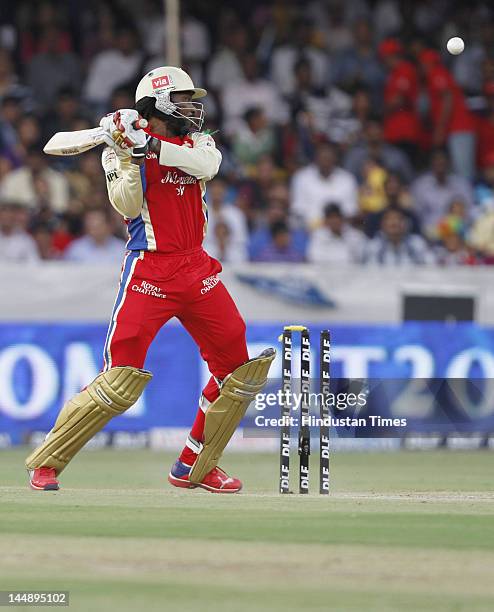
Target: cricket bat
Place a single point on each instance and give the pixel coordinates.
(74, 143)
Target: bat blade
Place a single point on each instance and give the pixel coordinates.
(74, 143)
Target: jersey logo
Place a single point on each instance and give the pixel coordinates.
(209, 283)
(180, 190)
(148, 289)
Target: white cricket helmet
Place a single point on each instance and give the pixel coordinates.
(161, 82)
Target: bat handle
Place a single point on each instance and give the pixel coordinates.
(140, 124)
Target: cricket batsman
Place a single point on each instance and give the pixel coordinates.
(156, 179)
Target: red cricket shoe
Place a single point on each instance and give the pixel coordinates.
(43, 479)
(217, 481)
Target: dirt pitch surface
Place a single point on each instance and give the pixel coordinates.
(409, 531)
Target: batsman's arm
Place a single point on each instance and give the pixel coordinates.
(123, 182)
(202, 160)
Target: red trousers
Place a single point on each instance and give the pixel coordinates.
(155, 287)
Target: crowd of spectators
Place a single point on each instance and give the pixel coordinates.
(348, 135)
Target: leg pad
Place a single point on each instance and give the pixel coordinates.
(110, 394)
(225, 413)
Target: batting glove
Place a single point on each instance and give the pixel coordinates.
(123, 132)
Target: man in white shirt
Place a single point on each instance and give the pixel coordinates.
(15, 244)
(113, 67)
(395, 245)
(285, 57)
(227, 216)
(434, 191)
(336, 242)
(36, 184)
(98, 245)
(321, 182)
(249, 92)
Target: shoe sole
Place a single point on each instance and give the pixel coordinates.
(48, 487)
(185, 484)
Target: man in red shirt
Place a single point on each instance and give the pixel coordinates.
(452, 123)
(401, 120)
(157, 182)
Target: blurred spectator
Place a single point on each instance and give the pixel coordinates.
(333, 26)
(10, 113)
(16, 245)
(336, 242)
(394, 245)
(358, 65)
(9, 83)
(485, 129)
(113, 67)
(277, 208)
(467, 67)
(121, 97)
(325, 112)
(396, 196)
(456, 221)
(225, 66)
(452, 122)
(29, 134)
(196, 43)
(373, 148)
(401, 122)
(98, 245)
(149, 21)
(484, 189)
(249, 91)
(388, 19)
(281, 247)
(51, 70)
(321, 182)
(235, 239)
(66, 109)
(254, 138)
(43, 236)
(36, 184)
(372, 197)
(433, 191)
(481, 236)
(299, 46)
(86, 179)
(253, 192)
(453, 251)
(361, 112)
(222, 246)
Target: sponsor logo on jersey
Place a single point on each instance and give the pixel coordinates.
(209, 283)
(178, 179)
(160, 82)
(148, 289)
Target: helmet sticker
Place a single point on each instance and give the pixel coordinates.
(162, 81)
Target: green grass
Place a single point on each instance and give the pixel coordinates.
(408, 531)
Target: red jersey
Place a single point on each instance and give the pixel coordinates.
(402, 124)
(440, 80)
(173, 217)
(485, 141)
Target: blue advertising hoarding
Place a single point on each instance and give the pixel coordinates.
(41, 365)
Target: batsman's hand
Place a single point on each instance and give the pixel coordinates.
(123, 131)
